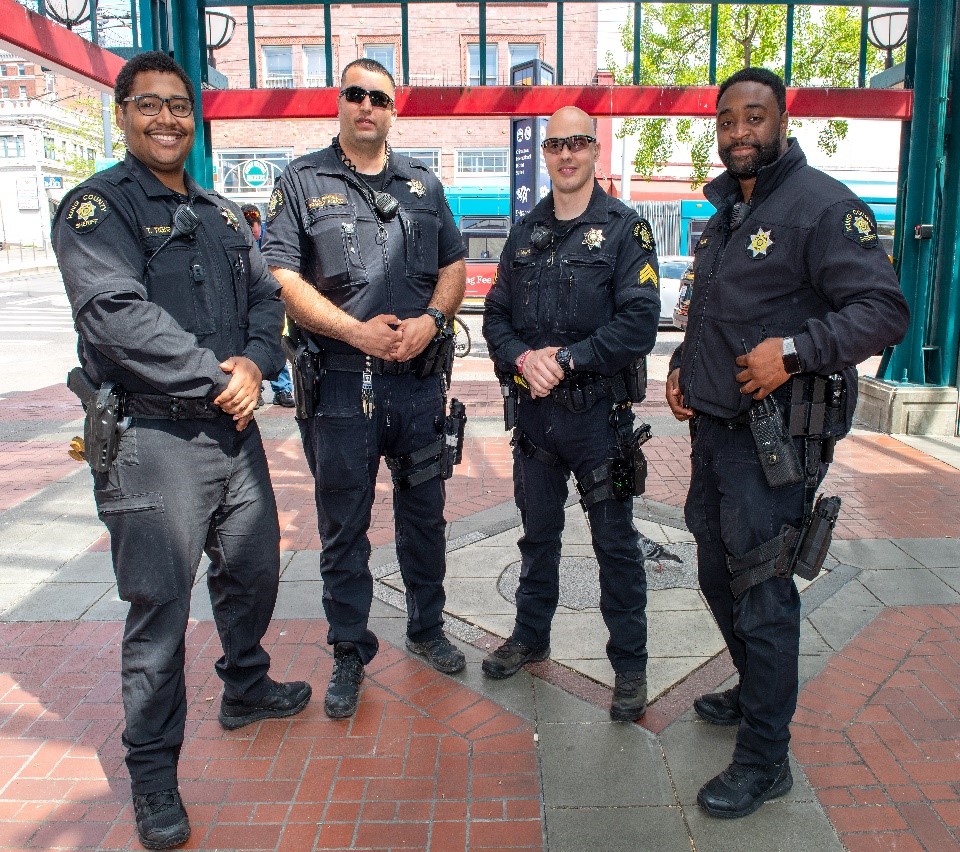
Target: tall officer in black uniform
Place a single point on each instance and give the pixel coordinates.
(171, 306)
(371, 267)
(574, 305)
(792, 289)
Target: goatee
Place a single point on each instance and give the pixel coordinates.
(763, 155)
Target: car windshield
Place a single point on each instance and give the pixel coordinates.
(673, 268)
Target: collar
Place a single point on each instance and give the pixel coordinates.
(725, 187)
(597, 209)
(154, 188)
(328, 162)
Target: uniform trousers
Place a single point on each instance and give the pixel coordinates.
(730, 510)
(343, 449)
(582, 441)
(178, 490)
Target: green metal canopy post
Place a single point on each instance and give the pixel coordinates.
(190, 53)
(921, 200)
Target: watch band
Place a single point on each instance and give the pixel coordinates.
(439, 317)
(791, 360)
(562, 357)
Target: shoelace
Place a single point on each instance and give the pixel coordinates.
(509, 647)
(346, 669)
(161, 801)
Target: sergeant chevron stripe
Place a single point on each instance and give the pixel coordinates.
(648, 276)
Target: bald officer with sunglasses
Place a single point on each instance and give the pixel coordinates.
(572, 314)
(177, 319)
(371, 268)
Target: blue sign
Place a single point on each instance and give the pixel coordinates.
(529, 181)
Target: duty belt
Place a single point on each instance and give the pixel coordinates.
(740, 422)
(357, 362)
(162, 407)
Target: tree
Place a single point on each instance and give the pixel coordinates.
(88, 108)
(675, 51)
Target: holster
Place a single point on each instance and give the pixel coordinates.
(635, 379)
(103, 406)
(443, 453)
(437, 357)
(306, 376)
(775, 448)
(454, 428)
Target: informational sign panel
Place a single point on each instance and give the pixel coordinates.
(28, 198)
(529, 181)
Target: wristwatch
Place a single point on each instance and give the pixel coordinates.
(791, 361)
(563, 358)
(438, 317)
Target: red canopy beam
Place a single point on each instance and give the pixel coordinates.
(27, 34)
(502, 101)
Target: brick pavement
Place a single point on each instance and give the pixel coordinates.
(876, 731)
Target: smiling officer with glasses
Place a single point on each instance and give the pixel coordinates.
(570, 318)
(371, 265)
(179, 318)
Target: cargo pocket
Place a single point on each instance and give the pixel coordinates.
(177, 282)
(336, 260)
(586, 293)
(140, 543)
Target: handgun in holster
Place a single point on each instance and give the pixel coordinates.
(454, 427)
(101, 425)
(805, 550)
(306, 375)
(775, 448)
(437, 357)
(628, 473)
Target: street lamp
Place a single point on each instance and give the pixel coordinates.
(887, 30)
(69, 12)
(219, 32)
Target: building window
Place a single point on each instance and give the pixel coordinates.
(49, 148)
(51, 82)
(249, 171)
(482, 161)
(315, 65)
(23, 91)
(22, 70)
(3, 70)
(473, 64)
(382, 53)
(523, 53)
(12, 146)
(430, 157)
(4, 91)
(278, 67)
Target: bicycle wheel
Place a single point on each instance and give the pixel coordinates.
(461, 338)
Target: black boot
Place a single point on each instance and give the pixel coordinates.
(740, 789)
(720, 708)
(343, 692)
(161, 819)
(510, 657)
(629, 697)
(279, 701)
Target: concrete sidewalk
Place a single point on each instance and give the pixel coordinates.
(448, 763)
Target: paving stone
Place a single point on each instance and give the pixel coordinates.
(903, 588)
(950, 576)
(109, 607)
(845, 614)
(12, 593)
(617, 829)
(91, 567)
(556, 705)
(781, 825)
(57, 602)
(297, 599)
(582, 763)
(932, 552)
(303, 565)
(876, 554)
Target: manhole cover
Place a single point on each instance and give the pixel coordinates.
(580, 575)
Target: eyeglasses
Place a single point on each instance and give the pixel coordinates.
(151, 104)
(554, 145)
(356, 94)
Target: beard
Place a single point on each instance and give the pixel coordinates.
(763, 155)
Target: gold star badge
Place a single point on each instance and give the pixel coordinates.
(760, 243)
(417, 188)
(230, 217)
(593, 239)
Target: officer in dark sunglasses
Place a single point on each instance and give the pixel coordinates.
(569, 321)
(371, 265)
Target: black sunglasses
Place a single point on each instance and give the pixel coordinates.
(554, 145)
(150, 104)
(356, 94)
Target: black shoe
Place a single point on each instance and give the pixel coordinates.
(629, 697)
(343, 693)
(509, 658)
(740, 789)
(281, 700)
(161, 819)
(442, 654)
(284, 398)
(720, 708)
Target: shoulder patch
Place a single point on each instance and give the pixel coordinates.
(332, 199)
(858, 227)
(275, 204)
(643, 234)
(87, 211)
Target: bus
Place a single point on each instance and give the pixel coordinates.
(484, 237)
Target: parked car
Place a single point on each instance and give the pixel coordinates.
(672, 267)
(683, 299)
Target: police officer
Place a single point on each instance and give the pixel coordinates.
(791, 290)
(173, 307)
(573, 311)
(371, 267)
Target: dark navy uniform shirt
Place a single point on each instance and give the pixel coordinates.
(322, 225)
(806, 263)
(154, 314)
(594, 289)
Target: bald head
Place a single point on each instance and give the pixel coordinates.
(570, 121)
